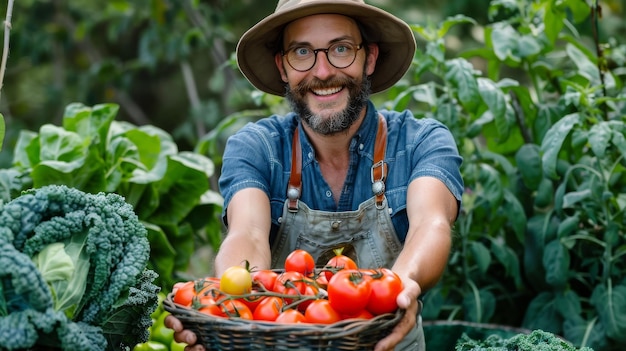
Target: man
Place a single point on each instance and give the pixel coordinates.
(383, 185)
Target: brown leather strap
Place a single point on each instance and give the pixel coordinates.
(379, 167)
(295, 178)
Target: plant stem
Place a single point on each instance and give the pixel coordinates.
(5, 49)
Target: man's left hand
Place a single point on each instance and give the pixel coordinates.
(407, 299)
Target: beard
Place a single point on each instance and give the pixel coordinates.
(338, 122)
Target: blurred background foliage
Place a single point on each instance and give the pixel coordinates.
(165, 62)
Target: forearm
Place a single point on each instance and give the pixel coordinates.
(431, 210)
(237, 248)
(249, 225)
(425, 254)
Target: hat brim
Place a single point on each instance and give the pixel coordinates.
(395, 39)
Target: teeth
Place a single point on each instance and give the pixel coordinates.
(328, 91)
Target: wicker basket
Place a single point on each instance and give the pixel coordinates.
(238, 334)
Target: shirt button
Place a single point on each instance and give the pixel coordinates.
(328, 193)
(361, 146)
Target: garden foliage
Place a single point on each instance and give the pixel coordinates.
(539, 114)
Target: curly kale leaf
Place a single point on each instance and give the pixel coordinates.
(537, 340)
(54, 240)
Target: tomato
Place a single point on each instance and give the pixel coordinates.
(184, 293)
(207, 305)
(268, 309)
(300, 261)
(236, 280)
(338, 262)
(290, 283)
(363, 314)
(386, 285)
(236, 308)
(265, 277)
(253, 300)
(320, 311)
(349, 291)
(310, 292)
(290, 316)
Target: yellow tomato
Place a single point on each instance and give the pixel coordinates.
(236, 280)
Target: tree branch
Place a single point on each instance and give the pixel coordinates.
(7, 35)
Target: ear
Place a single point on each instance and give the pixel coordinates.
(372, 56)
(278, 59)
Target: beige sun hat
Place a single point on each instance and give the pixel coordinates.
(257, 46)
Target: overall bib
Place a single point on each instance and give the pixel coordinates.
(366, 235)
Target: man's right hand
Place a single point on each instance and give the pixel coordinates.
(183, 335)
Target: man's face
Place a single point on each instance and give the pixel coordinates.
(327, 98)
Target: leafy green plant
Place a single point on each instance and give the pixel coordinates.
(541, 237)
(169, 189)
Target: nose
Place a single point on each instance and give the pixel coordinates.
(322, 68)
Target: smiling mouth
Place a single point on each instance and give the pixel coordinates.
(327, 91)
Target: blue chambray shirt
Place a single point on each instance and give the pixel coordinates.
(259, 156)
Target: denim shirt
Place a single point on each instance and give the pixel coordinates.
(259, 156)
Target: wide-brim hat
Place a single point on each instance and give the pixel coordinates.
(257, 46)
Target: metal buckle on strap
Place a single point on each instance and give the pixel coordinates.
(293, 195)
(378, 181)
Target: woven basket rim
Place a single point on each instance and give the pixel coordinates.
(189, 316)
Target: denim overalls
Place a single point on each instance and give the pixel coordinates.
(366, 235)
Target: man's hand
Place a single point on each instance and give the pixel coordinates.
(407, 299)
(183, 335)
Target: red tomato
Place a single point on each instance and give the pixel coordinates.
(253, 300)
(320, 311)
(290, 316)
(310, 293)
(349, 291)
(300, 261)
(265, 277)
(338, 262)
(184, 293)
(208, 306)
(290, 283)
(236, 309)
(363, 314)
(386, 285)
(268, 309)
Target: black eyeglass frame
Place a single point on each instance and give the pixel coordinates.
(325, 51)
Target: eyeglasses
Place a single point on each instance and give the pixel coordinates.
(340, 55)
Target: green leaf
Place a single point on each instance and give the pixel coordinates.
(583, 332)
(481, 256)
(508, 258)
(515, 213)
(489, 178)
(505, 40)
(450, 22)
(552, 21)
(610, 302)
(556, 260)
(586, 67)
(568, 226)
(528, 159)
(573, 197)
(543, 314)
(599, 138)
(58, 144)
(479, 305)
(553, 141)
(461, 73)
(26, 152)
(493, 97)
